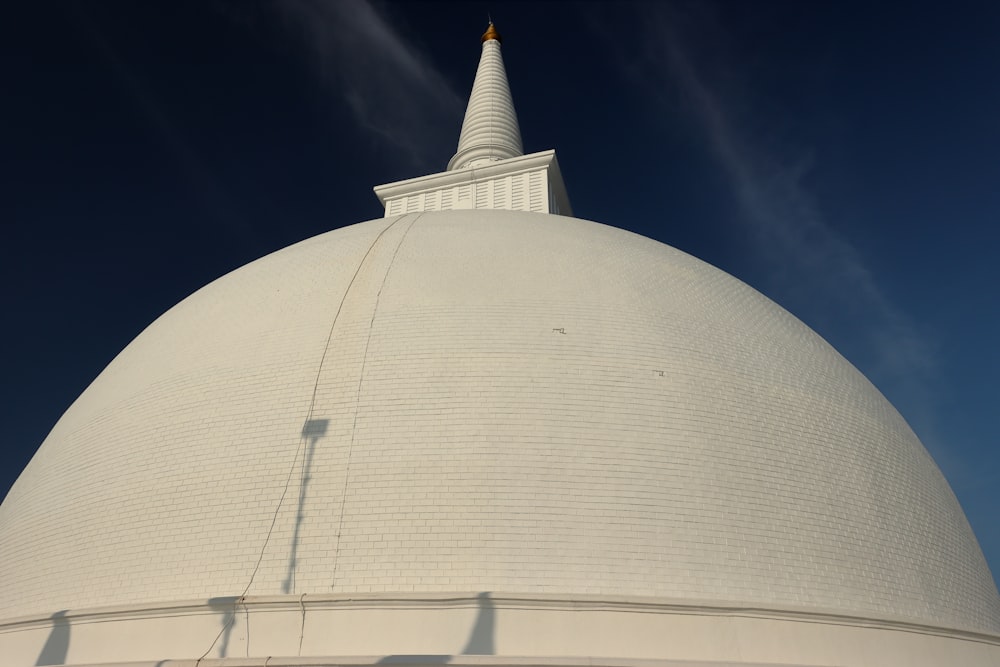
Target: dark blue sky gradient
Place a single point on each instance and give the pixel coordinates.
(839, 157)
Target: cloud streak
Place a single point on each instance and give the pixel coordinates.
(393, 91)
(807, 254)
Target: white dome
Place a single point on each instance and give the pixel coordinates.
(472, 401)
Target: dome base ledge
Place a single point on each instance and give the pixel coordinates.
(478, 630)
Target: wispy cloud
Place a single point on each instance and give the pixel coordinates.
(768, 183)
(392, 89)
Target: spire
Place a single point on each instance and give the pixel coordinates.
(490, 169)
(490, 131)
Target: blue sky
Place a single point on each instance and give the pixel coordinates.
(841, 159)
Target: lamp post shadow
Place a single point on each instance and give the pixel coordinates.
(312, 431)
(480, 642)
(57, 644)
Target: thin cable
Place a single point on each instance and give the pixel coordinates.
(302, 627)
(246, 611)
(357, 403)
(274, 518)
(329, 337)
(302, 438)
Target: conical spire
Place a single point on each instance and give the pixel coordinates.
(490, 131)
(499, 176)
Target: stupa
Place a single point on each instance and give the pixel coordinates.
(479, 431)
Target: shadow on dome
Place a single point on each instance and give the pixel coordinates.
(480, 639)
(227, 607)
(312, 431)
(419, 659)
(57, 645)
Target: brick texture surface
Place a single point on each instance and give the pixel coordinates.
(488, 401)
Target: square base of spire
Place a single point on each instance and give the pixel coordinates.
(525, 183)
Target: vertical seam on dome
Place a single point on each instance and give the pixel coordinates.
(336, 316)
(357, 401)
(302, 436)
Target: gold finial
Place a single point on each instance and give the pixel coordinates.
(491, 33)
